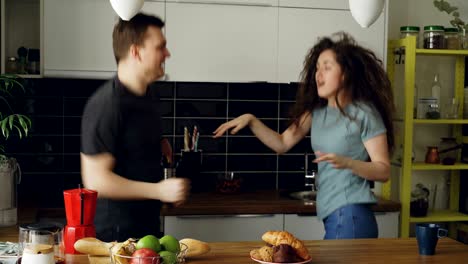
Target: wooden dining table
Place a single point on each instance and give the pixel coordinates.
(398, 251)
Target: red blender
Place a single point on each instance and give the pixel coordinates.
(80, 209)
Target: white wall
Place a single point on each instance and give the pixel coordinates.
(421, 13)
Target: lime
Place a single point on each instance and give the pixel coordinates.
(170, 243)
(150, 242)
(168, 257)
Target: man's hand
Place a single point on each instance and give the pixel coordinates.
(174, 190)
(338, 162)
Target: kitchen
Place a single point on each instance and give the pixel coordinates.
(263, 81)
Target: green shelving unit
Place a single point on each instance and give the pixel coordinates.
(452, 215)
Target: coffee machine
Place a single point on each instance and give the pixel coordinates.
(80, 209)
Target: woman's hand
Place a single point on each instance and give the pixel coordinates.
(235, 124)
(338, 162)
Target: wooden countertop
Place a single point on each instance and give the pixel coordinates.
(401, 251)
(392, 250)
(261, 202)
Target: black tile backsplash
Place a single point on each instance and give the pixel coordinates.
(258, 108)
(201, 90)
(47, 125)
(246, 162)
(253, 91)
(50, 160)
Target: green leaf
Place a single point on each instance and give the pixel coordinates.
(24, 124)
(19, 131)
(456, 14)
(445, 6)
(11, 121)
(451, 9)
(438, 5)
(5, 130)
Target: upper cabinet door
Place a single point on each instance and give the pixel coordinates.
(231, 2)
(222, 42)
(327, 4)
(78, 37)
(300, 28)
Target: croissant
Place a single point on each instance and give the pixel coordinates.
(276, 238)
(264, 253)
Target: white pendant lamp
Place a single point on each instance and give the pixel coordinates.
(366, 12)
(126, 9)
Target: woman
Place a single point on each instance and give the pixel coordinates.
(345, 102)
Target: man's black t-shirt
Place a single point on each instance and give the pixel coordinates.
(127, 126)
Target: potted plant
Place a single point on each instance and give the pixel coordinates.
(456, 21)
(10, 123)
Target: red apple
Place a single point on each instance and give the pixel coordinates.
(145, 256)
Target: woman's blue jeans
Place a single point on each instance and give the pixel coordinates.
(351, 221)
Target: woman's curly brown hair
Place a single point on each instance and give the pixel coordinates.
(364, 80)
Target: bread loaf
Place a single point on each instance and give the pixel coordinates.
(195, 247)
(276, 238)
(92, 246)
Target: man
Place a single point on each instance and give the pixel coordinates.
(121, 137)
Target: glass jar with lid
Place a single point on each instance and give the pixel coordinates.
(434, 37)
(406, 31)
(11, 65)
(464, 38)
(452, 38)
(433, 111)
(424, 106)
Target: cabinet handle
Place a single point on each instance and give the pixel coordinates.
(224, 216)
(214, 2)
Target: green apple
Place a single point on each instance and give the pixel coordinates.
(168, 257)
(150, 242)
(170, 243)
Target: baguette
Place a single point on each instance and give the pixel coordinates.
(93, 246)
(276, 238)
(195, 247)
(99, 259)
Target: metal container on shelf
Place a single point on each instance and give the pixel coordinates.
(434, 37)
(11, 65)
(424, 106)
(406, 31)
(452, 38)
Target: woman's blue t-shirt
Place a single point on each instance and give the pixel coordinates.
(332, 132)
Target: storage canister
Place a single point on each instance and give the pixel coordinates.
(434, 37)
(452, 38)
(406, 31)
(424, 106)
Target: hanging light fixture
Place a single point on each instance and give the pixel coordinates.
(366, 12)
(126, 9)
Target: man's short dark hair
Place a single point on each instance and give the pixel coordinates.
(131, 32)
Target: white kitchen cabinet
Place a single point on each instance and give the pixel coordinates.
(329, 4)
(231, 2)
(388, 223)
(300, 28)
(304, 227)
(213, 228)
(20, 27)
(311, 228)
(78, 37)
(222, 42)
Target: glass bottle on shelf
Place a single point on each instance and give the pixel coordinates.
(436, 88)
